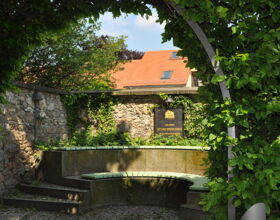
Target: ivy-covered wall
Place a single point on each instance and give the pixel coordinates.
(133, 114)
(34, 115)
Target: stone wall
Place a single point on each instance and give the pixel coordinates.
(28, 117)
(33, 115)
(134, 114)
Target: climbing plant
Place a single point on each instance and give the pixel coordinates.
(91, 122)
(194, 114)
(100, 110)
(246, 36)
(91, 113)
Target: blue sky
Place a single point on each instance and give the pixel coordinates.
(142, 35)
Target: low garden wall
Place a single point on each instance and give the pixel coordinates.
(163, 191)
(77, 161)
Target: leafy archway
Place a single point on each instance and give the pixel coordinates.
(246, 37)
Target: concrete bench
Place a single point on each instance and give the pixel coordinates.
(119, 175)
(143, 188)
(197, 181)
(74, 161)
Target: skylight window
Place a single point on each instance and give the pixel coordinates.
(166, 74)
(174, 55)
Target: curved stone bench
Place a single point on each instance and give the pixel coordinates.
(74, 161)
(143, 187)
(148, 175)
(197, 181)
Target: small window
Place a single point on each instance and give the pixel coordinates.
(174, 55)
(166, 74)
(194, 81)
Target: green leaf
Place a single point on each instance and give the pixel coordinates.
(237, 203)
(212, 137)
(234, 29)
(222, 12)
(217, 78)
(244, 123)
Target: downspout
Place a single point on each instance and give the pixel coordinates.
(225, 91)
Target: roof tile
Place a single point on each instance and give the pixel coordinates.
(148, 71)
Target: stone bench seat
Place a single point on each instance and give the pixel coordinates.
(142, 175)
(197, 181)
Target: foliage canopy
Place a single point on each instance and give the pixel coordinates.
(75, 59)
(246, 36)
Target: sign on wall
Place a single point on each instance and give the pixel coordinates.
(169, 121)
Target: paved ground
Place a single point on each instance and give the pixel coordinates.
(108, 213)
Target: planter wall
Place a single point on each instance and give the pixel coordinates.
(181, 159)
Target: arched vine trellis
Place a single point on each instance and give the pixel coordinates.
(245, 32)
(224, 90)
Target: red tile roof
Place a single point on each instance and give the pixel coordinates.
(148, 71)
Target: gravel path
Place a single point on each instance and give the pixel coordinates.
(106, 213)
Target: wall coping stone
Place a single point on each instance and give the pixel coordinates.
(129, 147)
(146, 91)
(39, 88)
(116, 92)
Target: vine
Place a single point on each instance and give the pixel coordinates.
(91, 122)
(100, 109)
(194, 114)
(91, 113)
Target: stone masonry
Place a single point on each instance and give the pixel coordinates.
(29, 117)
(34, 115)
(134, 114)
